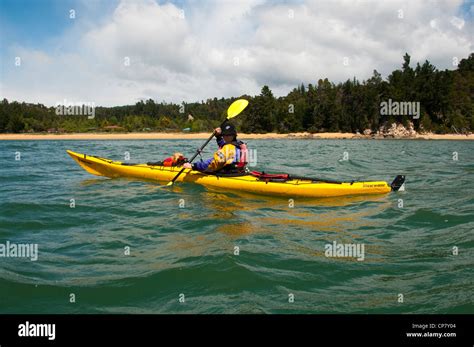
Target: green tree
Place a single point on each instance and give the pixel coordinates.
(261, 114)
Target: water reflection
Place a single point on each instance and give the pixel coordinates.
(248, 213)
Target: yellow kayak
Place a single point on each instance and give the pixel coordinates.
(291, 187)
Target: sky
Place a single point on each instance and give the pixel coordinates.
(117, 52)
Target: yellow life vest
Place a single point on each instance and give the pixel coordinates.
(224, 156)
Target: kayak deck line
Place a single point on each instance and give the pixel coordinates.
(296, 186)
(158, 167)
(297, 180)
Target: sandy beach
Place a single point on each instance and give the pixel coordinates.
(190, 136)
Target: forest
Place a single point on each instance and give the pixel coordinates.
(445, 100)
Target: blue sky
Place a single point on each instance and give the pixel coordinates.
(32, 22)
(35, 22)
(218, 48)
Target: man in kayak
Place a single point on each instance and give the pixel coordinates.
(230, 157)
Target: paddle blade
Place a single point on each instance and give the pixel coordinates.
(170, 183)
(236, 108)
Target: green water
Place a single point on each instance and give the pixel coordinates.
(176, 249)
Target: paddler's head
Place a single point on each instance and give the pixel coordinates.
(229, 133)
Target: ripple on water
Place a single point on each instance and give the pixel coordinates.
(132, 247)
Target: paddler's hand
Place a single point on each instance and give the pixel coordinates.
(217, 131)
(187, 166)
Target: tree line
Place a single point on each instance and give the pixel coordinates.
(445, 99)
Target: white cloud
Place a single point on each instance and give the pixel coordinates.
(457, 22)
(191, 55)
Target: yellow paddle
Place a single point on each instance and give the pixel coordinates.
(233, 111)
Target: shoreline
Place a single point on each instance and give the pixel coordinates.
(198, 136)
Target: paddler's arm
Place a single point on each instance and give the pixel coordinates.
(225, 155)
(219, 139)
(198, 166)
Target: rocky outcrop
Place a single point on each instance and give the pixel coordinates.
(395, 130)
(367, 132)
